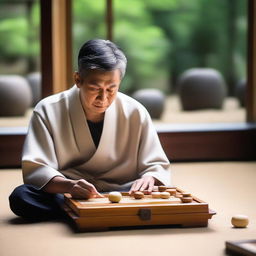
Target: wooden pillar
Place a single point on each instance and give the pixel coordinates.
(109, 19)
(46, 47)
(56, 47)
(62, 47)
(251, 81)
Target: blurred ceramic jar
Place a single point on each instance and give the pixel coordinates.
(201, 88)
(15, 95)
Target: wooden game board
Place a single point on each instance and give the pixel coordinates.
(101, 214)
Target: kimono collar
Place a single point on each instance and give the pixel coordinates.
(82, 133)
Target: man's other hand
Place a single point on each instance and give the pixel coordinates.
(142, 184)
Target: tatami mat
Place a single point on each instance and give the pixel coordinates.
(228, 187)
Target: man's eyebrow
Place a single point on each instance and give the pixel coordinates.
(95, 82)
(98, 85)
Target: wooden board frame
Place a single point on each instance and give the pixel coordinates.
(242, 247)
(104, 217)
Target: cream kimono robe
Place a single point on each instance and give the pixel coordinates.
(59, 143)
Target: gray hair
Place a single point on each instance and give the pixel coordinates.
(102, 55)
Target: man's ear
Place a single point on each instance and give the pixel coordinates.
(77, 79)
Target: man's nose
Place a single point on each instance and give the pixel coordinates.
(102, 95)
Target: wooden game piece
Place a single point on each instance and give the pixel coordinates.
(114, 197)
(155, 189)
(186, 194)
(172, 191)
(156, 195)
(240, 221)
(165, 195)
(138, 195)
(186, 199)
(162, 188)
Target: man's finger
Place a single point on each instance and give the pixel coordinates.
(79, 192)
(144, 185)
(94, 191)
(151, 185)
(138, 184)
(90, 187)
(132, 188)
(97, 194)
(135, 186)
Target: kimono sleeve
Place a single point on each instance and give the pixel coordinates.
(152, 160)
(39, 162)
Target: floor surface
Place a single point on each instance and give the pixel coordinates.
(228, 187)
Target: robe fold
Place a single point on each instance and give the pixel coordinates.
(59, 143)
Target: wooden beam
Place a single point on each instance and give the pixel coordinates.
(62, 47)
(251, 81)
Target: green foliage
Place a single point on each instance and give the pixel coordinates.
(13, 43)
(161, 38)
(206, 33)
(88, 23)
(19, 39)
(144, 44)
(216, 40)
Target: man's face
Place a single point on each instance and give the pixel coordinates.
(98, 89)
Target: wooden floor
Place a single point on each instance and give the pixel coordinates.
(228, 187)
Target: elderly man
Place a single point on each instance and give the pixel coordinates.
(88, 139)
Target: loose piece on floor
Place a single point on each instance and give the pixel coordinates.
(240, 221)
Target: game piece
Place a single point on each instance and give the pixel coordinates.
(186, 194)
(138, 195)
(155, 195)
(172, 191)
(187, 199)
(240, 221)
(164, 195)
(114, 197)
(146, 192)
(162, 188)
(155, 189)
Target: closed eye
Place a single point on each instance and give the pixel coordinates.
(111, 90)
(93, 88)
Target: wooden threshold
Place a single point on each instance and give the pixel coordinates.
(209, 142)
(205, 142)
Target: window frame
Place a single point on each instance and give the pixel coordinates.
(216, 142)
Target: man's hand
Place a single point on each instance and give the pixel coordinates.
(77, 188)
(144, 183)
(82, 189)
